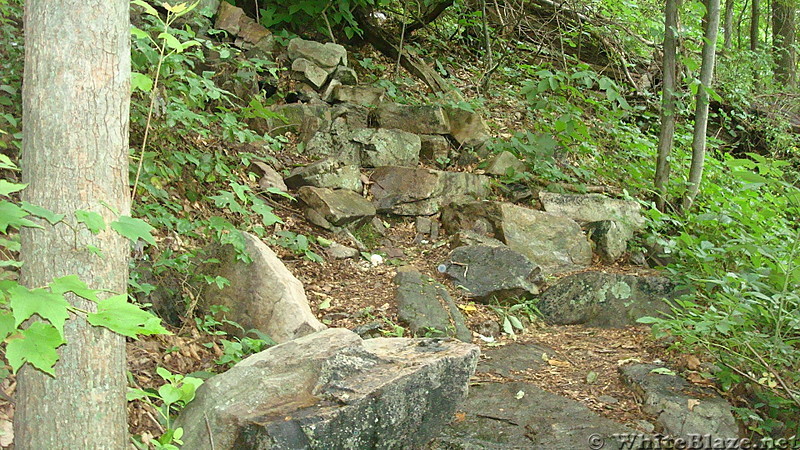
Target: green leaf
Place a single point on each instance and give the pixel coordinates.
(47, 305)
(169, 394)
(664, 371)
(171, 41)
(44, 213)
(93, 221)
(12, 215)
(6, 325)
(138, 33)
(7, 187)
(141, 82)
(71, 283)
(36, 345)
(6, 163)
(134, 229)
(267, 216)
(119, 316)
(147, 8)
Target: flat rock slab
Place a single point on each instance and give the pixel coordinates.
(586, 208)
(519, 415)
(422, 119)
(492, 273)
(507, 360)
(335, 209)
(384, 147)
(426, 306)
(331, 390)
(602, 299)
(410, 191)
(261, 295)
(328, 173)
(554, 243)
(327, 55)
(681, 408)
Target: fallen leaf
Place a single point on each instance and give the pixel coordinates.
(519, 395)
(591, 377)
(691, 403)
(557, 363)
(692, 362)
(460, 416)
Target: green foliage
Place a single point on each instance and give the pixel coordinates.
(299, 244)
(234, 349)
(167, 400)
(739, 251)
(514, 313)
(338, 15)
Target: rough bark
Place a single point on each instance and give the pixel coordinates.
(728, 25)
(701, 107)
(783, 39)
(668, 105)
(76, 98)
(755, 10)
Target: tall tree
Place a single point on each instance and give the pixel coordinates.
(727, 26)
(755, 9)
(701, 106)
(666, 136)
(76, 98)
(784, 32)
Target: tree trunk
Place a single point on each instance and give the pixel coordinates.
(76, 99)
(783, 38)
(754, 19)
(701, 107)
(667, 102)
(728, 25)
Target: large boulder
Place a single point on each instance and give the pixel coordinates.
(333, 390)
(467, 128)
(236, 22)
(410, 191)
(262, 295)
(554, 243)
(418, 119)
(492, 272)
(383, 147)
(683, 410)
(310, 72)
(603, 299)
(326, 173)
(610, 238)
(427, 308)
(335, 209)
(300, 118)
(585, 208)
(326, 56)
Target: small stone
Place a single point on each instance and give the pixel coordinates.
(503, 162)
(339, 251)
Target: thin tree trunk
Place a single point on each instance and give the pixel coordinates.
(76, 99)
(701, 107)
(667, 102)
(783, 38)
(728, 25)
(754, 22)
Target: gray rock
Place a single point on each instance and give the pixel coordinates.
(584, 208)
(270, 177)
(493, 273)
(345, 75)
(310, 72)
(336, 145)
(383, 147)
(409, 191)
(332, 390)
(328, 55)
(681, 408)
(610, 238)
(334, 210)
(469, 237)
(326, 173)
(339, 251)
(467, 128)
(237, 23)
(497, 416)
(427, 308)
(603, 299)
(423, 119)
(361, 95)
(433, 149)
(262, 295)
(554, 243)
(500, 164)
(303, 119)
(514, 360)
